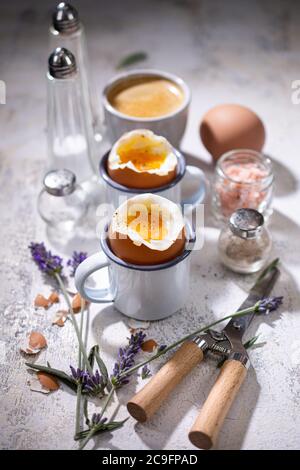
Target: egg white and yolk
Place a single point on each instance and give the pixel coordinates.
(142, 159)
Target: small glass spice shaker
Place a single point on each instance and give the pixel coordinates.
(245, 244)
(66, 30)
(62, 203)
(69, 129)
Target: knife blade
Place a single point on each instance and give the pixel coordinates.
(236, 327)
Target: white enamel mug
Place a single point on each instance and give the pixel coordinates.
(171, 126)
(142, 292)
(187, 189)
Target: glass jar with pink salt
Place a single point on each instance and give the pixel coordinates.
(243, 178)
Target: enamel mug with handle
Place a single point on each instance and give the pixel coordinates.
(187, 189)
(144, 292)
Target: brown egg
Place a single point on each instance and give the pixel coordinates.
(144, 180)
(142, 160)
(231, 126)
(148, 245)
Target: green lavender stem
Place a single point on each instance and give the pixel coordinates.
(81, 345)
(240, 313)
(79, 385)
(93, 430)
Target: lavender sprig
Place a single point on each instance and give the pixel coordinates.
(126, 358)
(97, 420)
(76, 260)
(145, 373)
(269, 304)
(263, 306)
(47, 262)
(93, 384)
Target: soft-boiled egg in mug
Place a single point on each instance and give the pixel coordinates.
(146, 230)
(141, 159)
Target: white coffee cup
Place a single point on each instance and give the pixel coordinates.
(170, 126)
(148, 292)
(187, 189)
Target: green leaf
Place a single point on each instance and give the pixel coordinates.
(91, 357)
(132, 59)
(251, 342)
(106, 427)
(59, 374)
(102, 368)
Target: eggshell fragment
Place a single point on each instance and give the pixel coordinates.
(36, 386)
(48, 381)
(53, 298)
(231, 126)
(60, 318)
(149, 345)
(76, 303)
(34, 343)
(41, 301)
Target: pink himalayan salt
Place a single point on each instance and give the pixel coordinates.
(236, 192)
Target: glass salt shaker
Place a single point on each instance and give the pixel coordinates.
(62, 203)
(245, 244)
(66, 30)
(69, 130)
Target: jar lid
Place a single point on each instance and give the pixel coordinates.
(59, 182)
(246, 223)
(62, 63)
(65, 18)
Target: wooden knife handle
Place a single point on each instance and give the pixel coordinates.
(205, 430)
(147, 401)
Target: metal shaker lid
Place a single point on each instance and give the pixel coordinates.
(65, 18)
(59, 182)
(62, 63)
(246, 223)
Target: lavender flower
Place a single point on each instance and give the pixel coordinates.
(47, 262)
(269, 304)
(145, 373)
(97, 420)
(91, 384)
(161, 348)
(126, 359)
(74, 262)
(77, 374)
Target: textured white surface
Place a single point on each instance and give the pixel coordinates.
(227, 52)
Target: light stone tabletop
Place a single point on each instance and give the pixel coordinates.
(244, 52)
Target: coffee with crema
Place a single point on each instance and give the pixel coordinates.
(147, 97)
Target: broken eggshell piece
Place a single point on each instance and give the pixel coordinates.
(141, 159)
(34, 343)
(147, 230)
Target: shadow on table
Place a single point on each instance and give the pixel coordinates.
(285, 181)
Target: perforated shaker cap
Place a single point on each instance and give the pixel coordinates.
(59, 182)
(246, 223)
(62, 63)
(65, 18)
